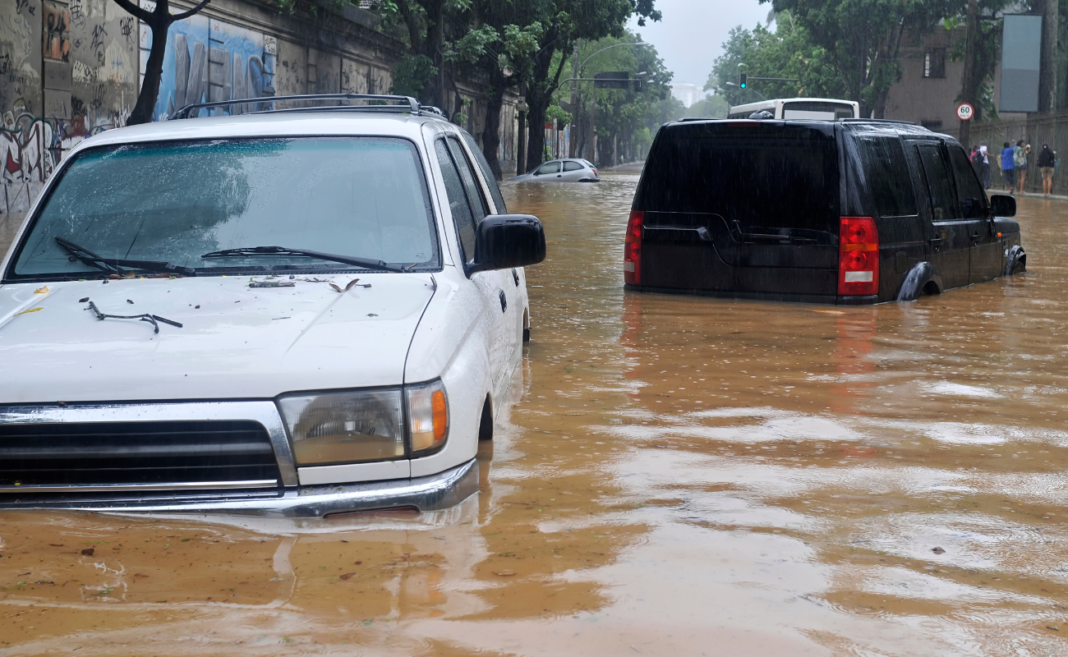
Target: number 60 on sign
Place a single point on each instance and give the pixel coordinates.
(964, 112)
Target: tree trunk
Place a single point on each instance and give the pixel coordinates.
(435, 38)
(146, 99)
(1047, 80)
(538, 104)
(521, 144)
(491, 136)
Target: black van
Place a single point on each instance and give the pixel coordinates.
(849, 212)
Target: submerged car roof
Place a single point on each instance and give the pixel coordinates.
(270, 124)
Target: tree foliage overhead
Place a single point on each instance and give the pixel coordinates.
(863, 39)
(788, 52)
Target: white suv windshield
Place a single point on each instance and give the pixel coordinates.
(173, 202)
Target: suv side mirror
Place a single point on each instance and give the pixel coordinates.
(503, 241)
(1002, 205)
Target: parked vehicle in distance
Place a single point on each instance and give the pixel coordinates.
(817, 109)
(570, 170)
(297, 312)
(845, 212)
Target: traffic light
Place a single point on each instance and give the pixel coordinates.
(742, 83)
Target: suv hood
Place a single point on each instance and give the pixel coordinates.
(236, 342)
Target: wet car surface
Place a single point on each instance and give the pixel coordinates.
(677, 475)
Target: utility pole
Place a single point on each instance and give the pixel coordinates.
(969, 89)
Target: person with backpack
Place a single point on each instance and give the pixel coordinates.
(976, 159)
(1047, 160)
(1019, 157)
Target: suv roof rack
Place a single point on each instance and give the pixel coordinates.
(394, 104)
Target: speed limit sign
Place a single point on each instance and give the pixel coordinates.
(964, 112)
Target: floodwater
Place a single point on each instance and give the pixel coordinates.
(676, 476)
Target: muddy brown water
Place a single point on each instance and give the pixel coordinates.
(676, 476)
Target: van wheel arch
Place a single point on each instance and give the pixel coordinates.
(1016, 261)
(923, 278)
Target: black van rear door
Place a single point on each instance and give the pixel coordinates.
(949, 242)
(742, 208)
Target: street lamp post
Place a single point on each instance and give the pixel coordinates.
(577, 77)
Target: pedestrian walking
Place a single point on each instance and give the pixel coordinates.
(1019, 158)
(976, 159)
(1008, 167)
(986, 166)
(1047, 159)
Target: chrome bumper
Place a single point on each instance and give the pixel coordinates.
(439, 491)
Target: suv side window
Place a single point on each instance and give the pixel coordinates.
(939, 187)
(487, 174)
(970, 193)
(467, 175)
(887, 176)
(458, 204)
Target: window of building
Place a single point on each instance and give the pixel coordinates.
(934, 63)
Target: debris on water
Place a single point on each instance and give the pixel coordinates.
(89, 551)
(83, 299)
(1053, 627)
(938, 550)
(347, 576)
(505, 573)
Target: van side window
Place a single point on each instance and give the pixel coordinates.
(970, 193)
(887, 176)
(458, 205)
(939, 187)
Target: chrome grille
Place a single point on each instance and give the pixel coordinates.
(224, 453)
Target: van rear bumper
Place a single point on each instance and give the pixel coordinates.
(827, 299)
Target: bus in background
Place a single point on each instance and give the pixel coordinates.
(815, 109)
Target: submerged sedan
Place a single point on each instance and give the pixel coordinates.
(571, 170)
(278, 313)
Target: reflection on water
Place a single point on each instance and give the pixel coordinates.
(677, 475)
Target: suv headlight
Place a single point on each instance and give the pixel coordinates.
(366, 425)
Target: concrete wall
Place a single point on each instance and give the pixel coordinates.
(67, 70)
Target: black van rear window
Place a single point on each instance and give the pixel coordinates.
(886, 176)
(761, 176)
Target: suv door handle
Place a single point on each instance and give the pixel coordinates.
(975, 236)
(504, 301)
(936, 242)
(515, 277)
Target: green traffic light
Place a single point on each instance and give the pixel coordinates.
(742, 81)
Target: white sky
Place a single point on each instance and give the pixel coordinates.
(692, 32)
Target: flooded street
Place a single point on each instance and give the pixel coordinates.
(677, 475)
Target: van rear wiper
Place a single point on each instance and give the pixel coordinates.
(366, 263)
(115, 265)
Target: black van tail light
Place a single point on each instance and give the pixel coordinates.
(858, 256)
(632, 249)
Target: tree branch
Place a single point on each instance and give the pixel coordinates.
(187, 14)
(136, 11)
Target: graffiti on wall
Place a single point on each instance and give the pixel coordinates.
(32, 146)
(208, 60)
(56, 32)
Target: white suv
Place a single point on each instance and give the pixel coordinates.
(295, 312)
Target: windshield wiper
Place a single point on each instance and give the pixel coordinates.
(366, 263)
(114, 265)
